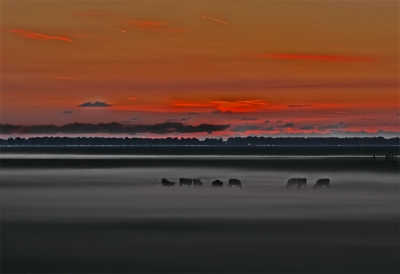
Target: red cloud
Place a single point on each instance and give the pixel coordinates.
(39, 36)
(334, 58)
(253, 102)
(240, 106)
(225, 106)
(191, 104)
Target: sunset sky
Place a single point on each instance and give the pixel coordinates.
(265, 68)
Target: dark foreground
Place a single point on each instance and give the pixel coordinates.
(201, 246)
(98, 215)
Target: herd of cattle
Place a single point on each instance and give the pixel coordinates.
(197, 182)
(299, 182)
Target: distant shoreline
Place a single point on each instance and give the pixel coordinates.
(323, 158)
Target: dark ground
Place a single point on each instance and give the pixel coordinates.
(113, 215)
(202, 246)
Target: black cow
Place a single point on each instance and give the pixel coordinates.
(165, 182)
(185, 181)
(299, 182)
(197, 182)
(322, 182)
(217, 183)
(235, 182)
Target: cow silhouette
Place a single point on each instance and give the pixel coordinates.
(322, 182)
(197, 182)
(165, 182)
(299, 182)
(185, 181)
(235, 182)
(217, 183)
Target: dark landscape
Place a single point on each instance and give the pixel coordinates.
(152, 136)
(104, 210)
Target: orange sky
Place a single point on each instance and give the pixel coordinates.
(317, 66)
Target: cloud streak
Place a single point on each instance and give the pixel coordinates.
(225, 105)
(39, 36)
(286, 125)
(257, 128)
(244, 128)
(191, 104)
(94, 104)
(340, 125)
(306, 127)
(176, 120)
(299, 106)
(253, 102)
(214, 19)
(239, 105)
(249, 119)
(111, 128)
(118, 29)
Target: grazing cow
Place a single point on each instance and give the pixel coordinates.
(291, 182)
(299, 182)
(197, 182)
(322, 182)
(185, 181)
(217, 183)
(235, 182)
(165, 182)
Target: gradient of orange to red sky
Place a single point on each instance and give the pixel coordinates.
(263, 67)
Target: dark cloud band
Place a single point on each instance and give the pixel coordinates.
(112, 128)
(94, 104)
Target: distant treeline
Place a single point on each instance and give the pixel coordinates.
(234, 141)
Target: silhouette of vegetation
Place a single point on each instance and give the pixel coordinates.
(236, 141)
